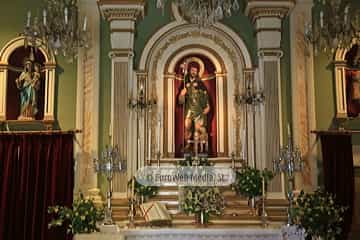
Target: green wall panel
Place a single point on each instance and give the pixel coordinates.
(105, 93)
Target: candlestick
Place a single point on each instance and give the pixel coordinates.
(133, 188)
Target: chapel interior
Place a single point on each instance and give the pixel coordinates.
(95, 94)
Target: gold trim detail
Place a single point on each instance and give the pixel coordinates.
(122, 30)
(260, 12)
(121, 52)
(111, 14)
(120, 2)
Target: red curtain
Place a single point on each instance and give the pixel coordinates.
(339, 172)
(36, 171)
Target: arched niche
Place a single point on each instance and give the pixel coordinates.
(231, 58)
(10, 63)
(346, 86)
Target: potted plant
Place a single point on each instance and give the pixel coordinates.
(202, 202)
(319, 215)
(81, 218)
(248, 182)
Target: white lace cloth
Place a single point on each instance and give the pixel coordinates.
(187, 234)
(293, 233)
(202, 234)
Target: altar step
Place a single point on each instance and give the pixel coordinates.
(217, 160)
(236, 213)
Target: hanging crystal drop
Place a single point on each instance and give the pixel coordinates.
(236, 5)
(219, 12)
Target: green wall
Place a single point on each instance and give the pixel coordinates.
(105, 93)
(155, 19)
(13, 19)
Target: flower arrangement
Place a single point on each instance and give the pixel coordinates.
(81, 218)
(206, 200)
(248, 181)
(191, 161)
(319, 215)
(143, 191)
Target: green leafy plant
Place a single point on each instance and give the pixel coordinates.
(208, 200)
(319, 215)
(248, 181)
(142, 190)
(81, 218)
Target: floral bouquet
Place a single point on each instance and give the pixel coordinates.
(81, 218)
(319, 215)
(248, 181)
(143, 191)
(206, 200)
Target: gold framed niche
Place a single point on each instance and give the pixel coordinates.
(169, 114)
(47, 81)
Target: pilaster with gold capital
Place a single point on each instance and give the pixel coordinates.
(267, 18)
(122, 16)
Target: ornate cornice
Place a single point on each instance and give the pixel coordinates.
(116, 52)
(115, 13)
(260, 8)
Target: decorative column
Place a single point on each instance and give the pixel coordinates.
(267, 18)
(303, 94)
(87, 104)
(122, 16)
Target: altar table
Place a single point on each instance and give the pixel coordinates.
(187, 234)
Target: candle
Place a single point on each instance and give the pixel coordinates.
(149, 142)
(243, 143)
(44, 17)
(66, 15)
(85, 24)
(159, 133)
(28, 19)
(321, 19)
(110, 130)
(288, 130)
(263, 187)
(133, 188)
(346, 13)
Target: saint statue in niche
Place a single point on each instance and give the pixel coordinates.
(195, 99)
(28, 83)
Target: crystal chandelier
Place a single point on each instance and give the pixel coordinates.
(336, 26)
(204, 12)
(58, 28)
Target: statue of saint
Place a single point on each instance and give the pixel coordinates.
(194, 97)
(28, 83)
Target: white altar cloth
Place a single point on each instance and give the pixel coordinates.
(187, 234)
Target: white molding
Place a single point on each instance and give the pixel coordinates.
(167, 29)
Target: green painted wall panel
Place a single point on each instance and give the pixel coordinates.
(105, 93)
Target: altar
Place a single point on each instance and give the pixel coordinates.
(188, 234)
